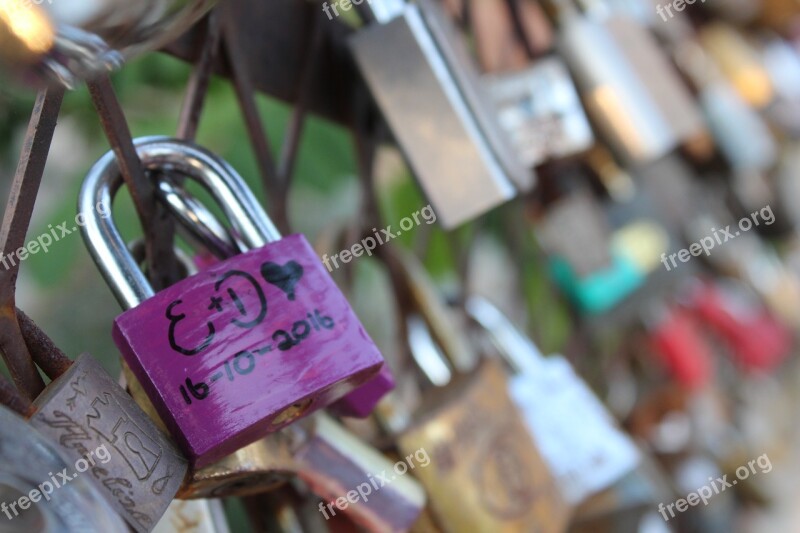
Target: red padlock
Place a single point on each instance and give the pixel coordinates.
(758, 340)
(676, 338)
(242, 348)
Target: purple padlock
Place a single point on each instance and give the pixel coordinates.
(361, 402)
(242, 348)
(206, 230)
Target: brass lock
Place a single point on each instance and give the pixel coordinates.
(485, 472)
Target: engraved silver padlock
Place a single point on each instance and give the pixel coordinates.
(85, 410)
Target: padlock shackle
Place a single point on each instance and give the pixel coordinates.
(102, 238)
(216, 176)
(120, 270)
(137, 248)
(427, 354)
(516, 348)
(196, 220)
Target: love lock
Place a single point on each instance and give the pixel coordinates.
(202, 227)
(84, 410)
(243, 348)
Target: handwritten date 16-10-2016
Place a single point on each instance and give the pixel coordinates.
(244, 362)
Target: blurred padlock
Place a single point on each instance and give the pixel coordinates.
(739, 62)
(333, 462)
(214, 405)
(41, 490)
(65, 42)
(653, 69)
(596, 265)
(743, 254)
(485, 472)
(743, 137)
(677, 340)
(579, 439)
(449, 136)
(541, 111)
(616, 97)
(203, 227)
(759, 342)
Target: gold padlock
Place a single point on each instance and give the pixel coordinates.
(485, 473)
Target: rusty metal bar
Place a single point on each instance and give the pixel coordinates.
(11, 398)
(201, 77)
(44, 351)
(245, 94)
(294, 129)
(16, 220)
(273, 36)
(161, 261)
(515, 10)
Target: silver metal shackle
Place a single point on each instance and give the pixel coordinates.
(517, 349)
(196, 221)
(427, 354)
(102, 238)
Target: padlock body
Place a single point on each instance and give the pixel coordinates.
(424, 104)
(485, 473)
(686, 354)
(259, 467)
(246, 347)
(333, 462)
(140, 471)
(540, 110)
(577, 436)
(28, 459)
(361, 402)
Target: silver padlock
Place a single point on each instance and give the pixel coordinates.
(653, 68)
(615, 96)
(42, 491)
(421, 80)
(541, 111)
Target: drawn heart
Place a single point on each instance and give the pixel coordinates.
(285, 277)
